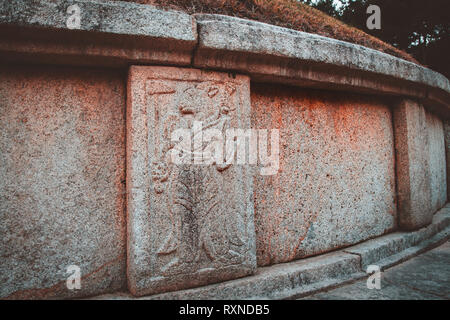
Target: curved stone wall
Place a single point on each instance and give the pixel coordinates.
(336, 183)
(86, 117)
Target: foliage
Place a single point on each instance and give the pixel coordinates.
(422, 28)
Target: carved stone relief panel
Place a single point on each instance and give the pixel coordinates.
(190, 219)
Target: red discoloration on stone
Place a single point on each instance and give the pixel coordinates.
(336, 181)
(62, 136)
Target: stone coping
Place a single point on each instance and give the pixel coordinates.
(113, 17)
(308, 276)
(111, 34)
(235, 34)
(119, 34)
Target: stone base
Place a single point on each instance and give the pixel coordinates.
(308, 276)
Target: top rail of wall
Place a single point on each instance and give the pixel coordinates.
(118, 34)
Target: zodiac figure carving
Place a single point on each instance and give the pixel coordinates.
(200, 232)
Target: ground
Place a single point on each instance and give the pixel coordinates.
(425, 277)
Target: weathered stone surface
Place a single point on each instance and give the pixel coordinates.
(447, 151)
(280, 281)
(424, 277)
(421, 167)
(62, 159)
(113, 33)
(276, 54)
(246, 36)
(336, 182)
(188, 224)
(109, 32)
(393, 248)
(412, 165)
(100, 16)
(307, 276)
(438, 177)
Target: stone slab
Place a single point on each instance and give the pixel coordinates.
(396, 247)
(426, 277)
(409, 253)
(309, 276)
(282, 281)
(188, 224)
(100, 16)
(447, 153)
(412, 165)
(270, 53)
(116, 33)
(62, 175)
(109, 33)
(220, 32)
(437, 162)
(335, 186)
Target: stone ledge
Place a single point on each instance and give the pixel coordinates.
(274, 54)
(118, 34)
(221, 32)
(280, 281)
(393, 248)
(308, 276)
(411, 252)
(101, 16)
(108, 30)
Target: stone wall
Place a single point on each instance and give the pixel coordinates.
(62, 180)
(85, 176)
(336, 183)
(420, 166)
(447, 151)
(437, 162)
